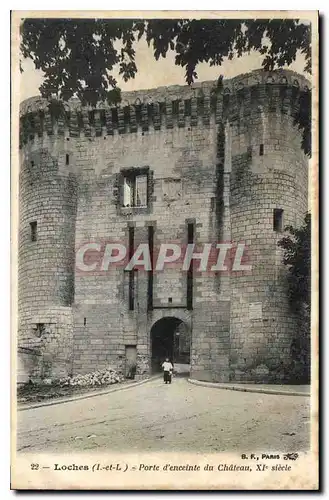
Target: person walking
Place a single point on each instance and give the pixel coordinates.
(167, 371)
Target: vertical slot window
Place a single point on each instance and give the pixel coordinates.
(261, 150)
(131, 273)
(278, 220)
(33, 230)
(150, 273)
(189, 284)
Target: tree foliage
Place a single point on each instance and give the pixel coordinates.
(303, 119)
(78, 56)
(297, 256)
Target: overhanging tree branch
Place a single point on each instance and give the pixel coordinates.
(78, 56)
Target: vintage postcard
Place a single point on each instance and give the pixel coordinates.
(165, 250)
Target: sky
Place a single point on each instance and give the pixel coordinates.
(152, 73)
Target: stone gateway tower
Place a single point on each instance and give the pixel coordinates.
(188, 165)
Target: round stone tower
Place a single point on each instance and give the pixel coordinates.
(268, 191)
(47, 213)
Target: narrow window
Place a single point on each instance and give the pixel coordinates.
(67, 159)
(150, 273)
(84, 321)
(170, 300)
(32, 163)
(131, 273)
(278, 220)
(261, 150)
(189, 284)
(33, 229)
(40, 329)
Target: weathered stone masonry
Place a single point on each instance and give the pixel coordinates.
(220, 161)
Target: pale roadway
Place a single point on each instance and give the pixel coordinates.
(176, 417)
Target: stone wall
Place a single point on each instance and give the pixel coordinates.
(186, 155)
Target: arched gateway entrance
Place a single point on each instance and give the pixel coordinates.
(170, 337)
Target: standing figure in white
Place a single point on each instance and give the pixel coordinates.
(167, 371)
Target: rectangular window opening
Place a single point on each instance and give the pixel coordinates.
(84, 321)
(278, 220)
(261, 150)
(67, 159)
(135, 189)
(33, 229)
(170, 300)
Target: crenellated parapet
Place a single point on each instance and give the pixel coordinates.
(164, 107)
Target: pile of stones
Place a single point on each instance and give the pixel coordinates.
(106, 376)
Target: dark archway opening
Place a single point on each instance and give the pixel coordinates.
(170, 338)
